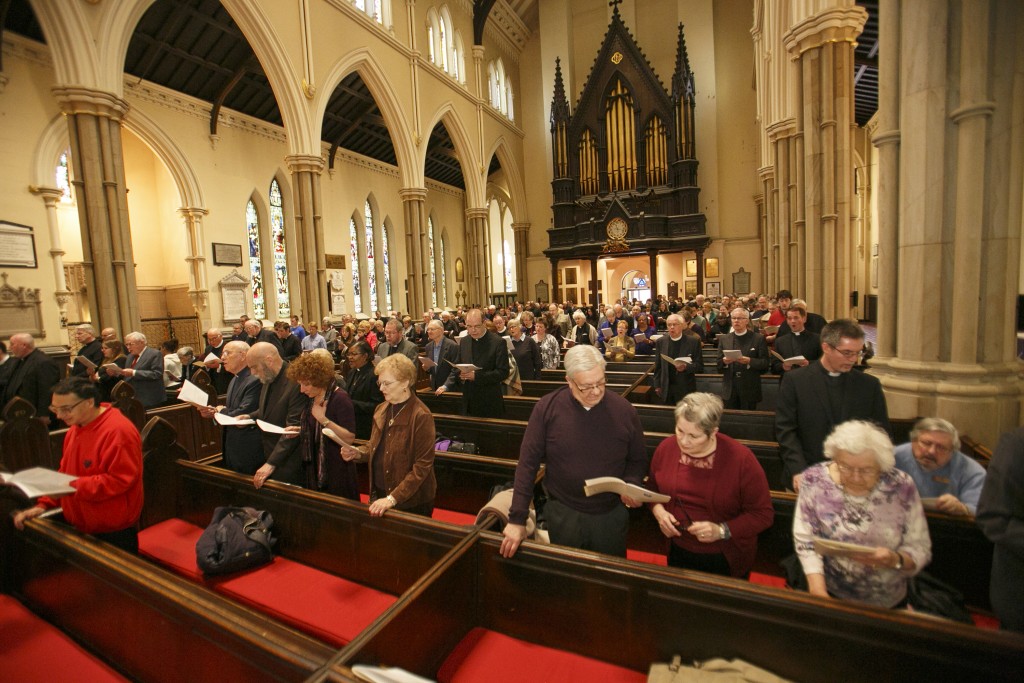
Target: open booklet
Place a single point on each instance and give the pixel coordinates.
(269, 427)
(190, 393)
(89, 365)
(615, 485)
(607, 332)
(228, 421)
(824, 546)
(427, 363)
(681, 359)
(794, 359)
(734, 354)
(210, 358)
(39, 481)
(329, 433)
(463, 367)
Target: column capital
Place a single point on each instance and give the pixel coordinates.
(413, 194)
(478, 53)
(297, 163)
(836, 25)
(192, 212)
(79, 100)
(50, 195)
(474, 214)
(521, 227)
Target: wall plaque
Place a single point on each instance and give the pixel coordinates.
(17, 245)
(234, 296)
(335, 261)
(741, 282)
(227, 254)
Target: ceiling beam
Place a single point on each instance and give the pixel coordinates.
(250, 64)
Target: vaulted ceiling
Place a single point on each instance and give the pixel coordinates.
(194, 47)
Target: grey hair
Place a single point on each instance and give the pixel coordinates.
(186, 351)
(582, 358)
(86, 327)
(435, 323)
(136, 336)
(833, 333)
(702, 409)
(936, 424)
(578, 315)
(857, 436)
(393, 324)
(746, 314)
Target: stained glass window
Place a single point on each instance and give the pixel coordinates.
(444, 278)
(371, 276)
(353, 237)
(386, 258)
(510, 285)
(64, 179)
(284, 309)
(430, 262)
(252, 228)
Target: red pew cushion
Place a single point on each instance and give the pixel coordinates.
(32, 649)
(485, 655)
(452, 517)
(326, 606)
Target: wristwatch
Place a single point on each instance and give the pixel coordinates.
(391, 499)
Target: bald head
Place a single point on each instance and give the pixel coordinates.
(22, 344)
(264, 361)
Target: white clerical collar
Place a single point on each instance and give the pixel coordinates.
(740, 334)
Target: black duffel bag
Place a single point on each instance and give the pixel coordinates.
(237, 538)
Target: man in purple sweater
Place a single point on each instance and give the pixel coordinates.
(580, 431)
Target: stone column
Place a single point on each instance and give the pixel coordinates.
(593, 282)
(957, 209)
(413, 204)
(94, 126)
(197, 289)
(822, 45)
(476, 257)
(521, 238)
(307, 204)
(51, 197)
(555, 298)
(652, 260)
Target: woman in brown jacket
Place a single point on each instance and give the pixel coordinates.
(401, 447)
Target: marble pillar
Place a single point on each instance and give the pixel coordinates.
(477, 261)
(308, 239)
(413, 203)
(521, 238)
(94, 127)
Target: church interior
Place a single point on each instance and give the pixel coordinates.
(173, 165)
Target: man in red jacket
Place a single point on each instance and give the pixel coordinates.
(104, 450)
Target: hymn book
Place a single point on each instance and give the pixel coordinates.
(794, 359)
(615, 485)
(228, 421)
(824, 546)
(734, 354)
(681, 359)
(39, 481)
(190, 393)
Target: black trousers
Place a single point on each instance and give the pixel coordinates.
(604, 533)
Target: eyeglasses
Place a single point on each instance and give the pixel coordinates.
(848, 354)
(385, 385)
(865, 472)
(938, 447)
(65, 410)
(597, 386)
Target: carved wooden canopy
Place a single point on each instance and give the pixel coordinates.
(625, 155)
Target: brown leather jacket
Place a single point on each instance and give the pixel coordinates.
(408, 453)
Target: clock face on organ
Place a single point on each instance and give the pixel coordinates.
(616, 229)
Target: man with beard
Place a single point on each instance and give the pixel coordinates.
(280, 403)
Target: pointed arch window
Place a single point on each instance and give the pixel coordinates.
(385, 257)
(430, 257)
(357, 294)
(371, 275)
(443, 40)
(444, 276)
(500, 88)
(284, 309)
(64, 177)
(510, 284)
(252, 229)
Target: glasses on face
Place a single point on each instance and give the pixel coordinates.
(597, 386)
(848, 354)
(65, 410)
(863, 472)
(386, 384)
(928, 444)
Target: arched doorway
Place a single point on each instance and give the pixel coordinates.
(635, 285)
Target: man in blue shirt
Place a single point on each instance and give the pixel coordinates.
(941, 472)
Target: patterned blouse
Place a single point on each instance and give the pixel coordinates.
(549, 353)
(890, 516)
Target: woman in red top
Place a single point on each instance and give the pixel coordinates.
(720, 498)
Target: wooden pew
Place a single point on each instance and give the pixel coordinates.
(629, 616)
(146, 623)
(755, 425)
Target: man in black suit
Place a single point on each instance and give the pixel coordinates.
(439, 350)
(361, 385)
(143, 370)
(255, 332)
(92, 349)
(242, 447)
(281, 403)
(220, 375)
(396, 342)
(799, 342)
(481, 389)
(673, 381)
(289, 345)
(741, 377)
(33, 375)
(813, 400)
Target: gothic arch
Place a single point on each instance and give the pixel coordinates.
(363, 62)
(513, 176)
(52, 143)
(463, 147)
(190, 191)
(75, 61)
